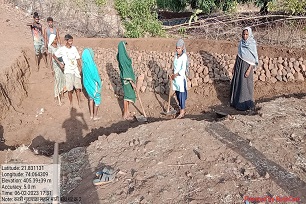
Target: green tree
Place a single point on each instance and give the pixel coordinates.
(208, 6)
(139, 18)
(172, 5)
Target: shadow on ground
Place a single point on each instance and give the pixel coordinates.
(289, 182)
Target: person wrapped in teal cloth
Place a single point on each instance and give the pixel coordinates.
(92, 82)
(127, 77)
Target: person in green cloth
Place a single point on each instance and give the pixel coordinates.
(127, 77)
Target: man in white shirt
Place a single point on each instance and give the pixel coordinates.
(72, 67)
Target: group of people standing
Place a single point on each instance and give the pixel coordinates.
(68, 68)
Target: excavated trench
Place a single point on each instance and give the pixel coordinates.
(15, 87)
(13, 84)
(13, 90)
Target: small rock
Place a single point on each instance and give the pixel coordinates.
(297, 69)
(298, 76)
(194, 82)
(200, 69)
(266, 66)
(206, 70)
(268, 74)
(292, 71)
(143, 89)
(188, 84)
(262, 77)
(273, 80)
(280, 60)
(206, 79)
(290, 77)
(279, 77)
(280, 66)
(157, 89)
(274, 72)
(191, 74)
(78, 179)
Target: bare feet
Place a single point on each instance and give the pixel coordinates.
(96, 118)
(181, 115)
(127, 117)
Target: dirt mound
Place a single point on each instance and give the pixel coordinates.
(191, 161)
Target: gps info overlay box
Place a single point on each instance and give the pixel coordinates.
(29, 183)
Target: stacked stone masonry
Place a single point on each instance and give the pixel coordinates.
(204, 68)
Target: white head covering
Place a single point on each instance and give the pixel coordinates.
(247, 49)
(51, 39)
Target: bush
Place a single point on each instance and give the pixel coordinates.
(292, 7)
(139, 18)
(100, 2)
(207, 6)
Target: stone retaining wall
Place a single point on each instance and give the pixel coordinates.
(204, 68)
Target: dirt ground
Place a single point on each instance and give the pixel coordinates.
(200, 159)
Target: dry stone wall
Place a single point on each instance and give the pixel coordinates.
(205, 68)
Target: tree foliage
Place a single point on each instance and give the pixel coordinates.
(292, 7)
(207, 6)
(139, 18)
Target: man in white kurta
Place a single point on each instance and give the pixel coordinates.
(179, 79)
(72, 67)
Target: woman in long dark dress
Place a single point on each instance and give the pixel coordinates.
(242, 85)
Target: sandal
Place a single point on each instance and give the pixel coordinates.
(103, 177)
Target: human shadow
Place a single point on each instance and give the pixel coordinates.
(288, 181)
(114, 79)
(74, 134)
(74, 127)
(3, 146)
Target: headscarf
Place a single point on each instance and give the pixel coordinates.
(247, 49)
(91, 78)
(125, 63)
(51, 39)
(181, 43)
